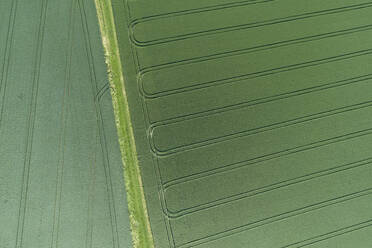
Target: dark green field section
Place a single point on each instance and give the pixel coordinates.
(61, 176)
(252, 120)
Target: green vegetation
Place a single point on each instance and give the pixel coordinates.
(251, 119)
(141, 232)
(61, 182)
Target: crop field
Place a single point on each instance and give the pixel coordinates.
(252, 121)
(61, 175)
(240, 123)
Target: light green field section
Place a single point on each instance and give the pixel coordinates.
(61, 175)
(252, 120)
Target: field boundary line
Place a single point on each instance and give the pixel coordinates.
(139, 219)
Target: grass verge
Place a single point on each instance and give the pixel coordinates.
(141, 232)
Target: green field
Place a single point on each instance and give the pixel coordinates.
(179, 124)
(61, 174)
(252, 121)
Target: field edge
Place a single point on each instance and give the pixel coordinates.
(140, 225)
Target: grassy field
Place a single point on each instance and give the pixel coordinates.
(61, 174)
(251, 120)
